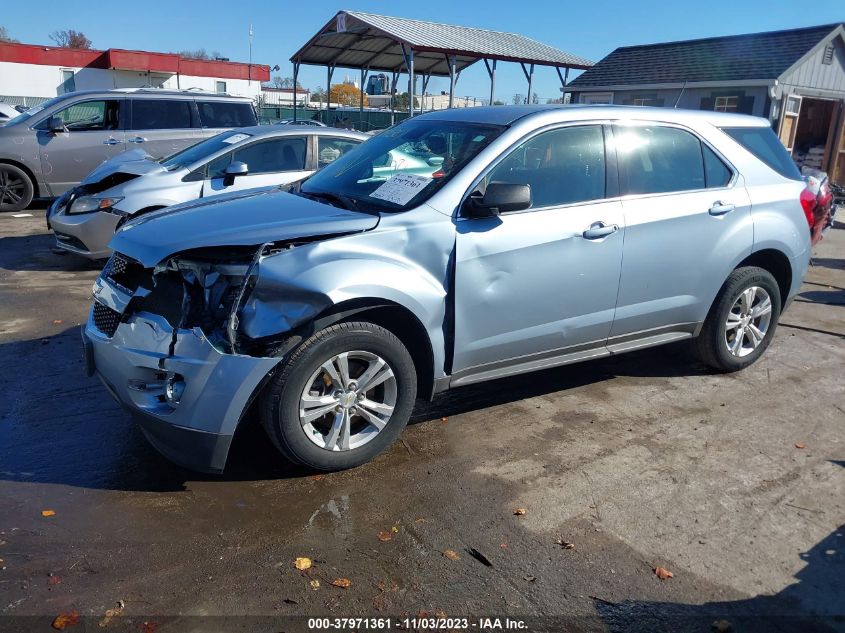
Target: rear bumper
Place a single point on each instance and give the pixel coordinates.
(86, 234)
(135, 365)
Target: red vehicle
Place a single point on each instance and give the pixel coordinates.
(817, 200)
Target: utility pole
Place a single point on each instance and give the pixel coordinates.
(249, 82)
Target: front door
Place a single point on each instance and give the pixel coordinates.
(276, 161)
(94, 133)
(537, 286)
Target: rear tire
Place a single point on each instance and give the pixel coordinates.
(343, 396)
(742, 320)
(16, 188)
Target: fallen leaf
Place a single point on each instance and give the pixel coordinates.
(529, 578)
(565, 544)
(110, 614)
(663, 573)
(48, 513)
(503, 545)
(66, 619)
(452, 554)
(384, 536)
(317, 477)
(800, 445)
(343, 583)
(302, 563)
(148, 627)
(57, 321)
(519, 512)
(54, 580)
(315, 584)
(395, 529)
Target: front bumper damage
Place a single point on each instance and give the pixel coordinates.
(187, 394)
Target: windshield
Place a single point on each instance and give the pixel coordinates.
(203, 149)
(25, 116)
(404, 165)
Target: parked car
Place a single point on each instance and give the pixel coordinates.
(51, 147)
(312, 122)
(85, 218)
(546, 236)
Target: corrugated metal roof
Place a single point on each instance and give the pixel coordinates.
(353, 39)
(731, 58)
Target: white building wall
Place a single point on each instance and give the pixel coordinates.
(35, 80)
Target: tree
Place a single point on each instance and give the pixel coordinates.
(535, 98)
(518, 99)
(346, 94)
(318, 94)
(401, 101)
(70, 39)
(497, 102)
(5, 37)
(199, 53)
(284, 82)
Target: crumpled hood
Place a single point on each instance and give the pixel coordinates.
(135, 161)
(243, 218)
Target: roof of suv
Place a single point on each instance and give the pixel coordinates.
(507, 115)
(159, 92)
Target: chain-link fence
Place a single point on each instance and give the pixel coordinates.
(366, 121)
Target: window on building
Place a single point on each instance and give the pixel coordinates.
(727, 104)
(596, 98)
(221, 86)
(827, 57)
(225, 114)
(562, 166)
(658, 159)
(649, 99)
(89, 115)
(68, 82)
(330, 149)
(160, 114)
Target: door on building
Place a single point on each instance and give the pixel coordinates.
(813, 142)
(162, 127)
(94, 133)
(789, 121)
(276, 161)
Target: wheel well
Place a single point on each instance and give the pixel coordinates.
(404, 324)
(777, 264)
(35, 188)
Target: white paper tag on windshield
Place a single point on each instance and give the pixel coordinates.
(235, 138)
(401, 188)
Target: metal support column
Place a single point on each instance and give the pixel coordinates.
(408, 54)
(295, 77)
(364, 73)
(329, 73)
(394, 81)
(491, 70)
(529, 75)
(450, 62)
(564, 79)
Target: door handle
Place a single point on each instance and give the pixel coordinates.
(720, 208)
(599, 230)
(138, 139)
(111, 141)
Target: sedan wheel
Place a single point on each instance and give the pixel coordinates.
(16, 190)
(748, 321)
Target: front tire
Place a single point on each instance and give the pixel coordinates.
(342, 397)
(742, 321)
(16, 188)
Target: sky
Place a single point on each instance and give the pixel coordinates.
(590, 29)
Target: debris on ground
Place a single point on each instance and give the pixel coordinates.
(57, 321)
(519, 512)
(343, 583)
(529, 578)
(481, 558)
(444, 419)
(302, 563)
(52, 579)
(721, 626)
(65, 619)
(48, 513)
(800, 445)
(148, 627)
(663, 573)
(452, 554)
(315, 584)
(110, 614)
(565, 544)
(384, 536)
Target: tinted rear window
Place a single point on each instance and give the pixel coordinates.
(160, 114)
(223, 114)
(762, 142)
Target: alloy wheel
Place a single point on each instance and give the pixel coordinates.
(12, 187)
(748, 321)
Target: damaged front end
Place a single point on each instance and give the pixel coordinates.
(167, 343)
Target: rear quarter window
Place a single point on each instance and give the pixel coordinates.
(226, 114)
(764, 144)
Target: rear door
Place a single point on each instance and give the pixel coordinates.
(217, 116)
(162, 126)
(274, 161)
(687, 220)
(94, 134)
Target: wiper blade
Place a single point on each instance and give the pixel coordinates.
(345, 201)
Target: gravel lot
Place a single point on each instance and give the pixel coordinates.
(734, 483)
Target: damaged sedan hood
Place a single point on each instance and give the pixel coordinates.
(241, 219)
(135, 161)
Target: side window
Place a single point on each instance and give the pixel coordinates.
(267, 157)
(215, 168)
(716, 173)
(656, 159)
(330, 149)
(89, 115)
(160, 114)
(562, 166)
(226, 114)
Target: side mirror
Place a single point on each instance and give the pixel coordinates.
(499, 197)
(234, 170)
(56, 125)
(435, 161)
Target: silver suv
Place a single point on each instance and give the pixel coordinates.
(50, 148)
(540, 236)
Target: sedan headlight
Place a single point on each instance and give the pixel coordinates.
(89, 204)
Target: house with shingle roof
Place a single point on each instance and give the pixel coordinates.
(795, 78)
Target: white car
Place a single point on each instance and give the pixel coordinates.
(85, 218)
(7, 113)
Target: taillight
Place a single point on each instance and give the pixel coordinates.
(808, 203)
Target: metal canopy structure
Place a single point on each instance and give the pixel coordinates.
(371, 42)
